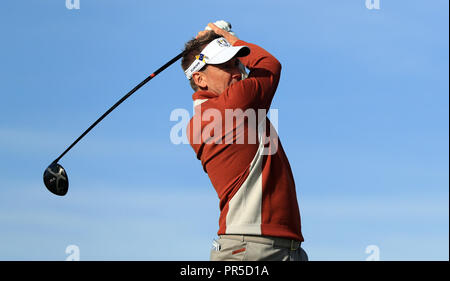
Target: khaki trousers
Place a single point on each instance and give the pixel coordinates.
(256, 248)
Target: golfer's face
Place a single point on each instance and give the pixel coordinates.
(220, 76)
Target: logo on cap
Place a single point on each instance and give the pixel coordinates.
(201, 57)
(223, 42)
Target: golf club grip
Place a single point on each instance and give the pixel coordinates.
(120, 101)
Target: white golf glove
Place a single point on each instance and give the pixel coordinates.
(223, 25)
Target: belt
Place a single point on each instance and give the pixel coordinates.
(293, 245)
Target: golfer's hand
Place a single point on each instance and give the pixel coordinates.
(230, 38)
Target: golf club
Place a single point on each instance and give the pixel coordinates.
(55, 176)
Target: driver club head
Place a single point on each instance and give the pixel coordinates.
(56, 180)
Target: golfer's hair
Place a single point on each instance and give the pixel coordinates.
(193, 48)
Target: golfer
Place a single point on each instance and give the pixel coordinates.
(259, 214)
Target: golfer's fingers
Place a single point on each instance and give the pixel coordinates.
(217, 29)
(230, 38)
(201, 33)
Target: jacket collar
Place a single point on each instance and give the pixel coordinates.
(203, 95)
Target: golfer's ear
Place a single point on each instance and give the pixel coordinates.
(199, 79)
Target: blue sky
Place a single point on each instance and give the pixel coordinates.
(363, 110)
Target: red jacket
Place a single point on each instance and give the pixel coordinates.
(253, 179)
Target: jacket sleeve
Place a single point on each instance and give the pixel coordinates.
(258, 89)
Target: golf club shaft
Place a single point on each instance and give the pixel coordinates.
(119, 102)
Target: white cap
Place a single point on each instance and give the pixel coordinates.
(217, 52)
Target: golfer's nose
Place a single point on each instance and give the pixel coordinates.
(236, 76)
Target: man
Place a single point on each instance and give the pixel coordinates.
(249, 170)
